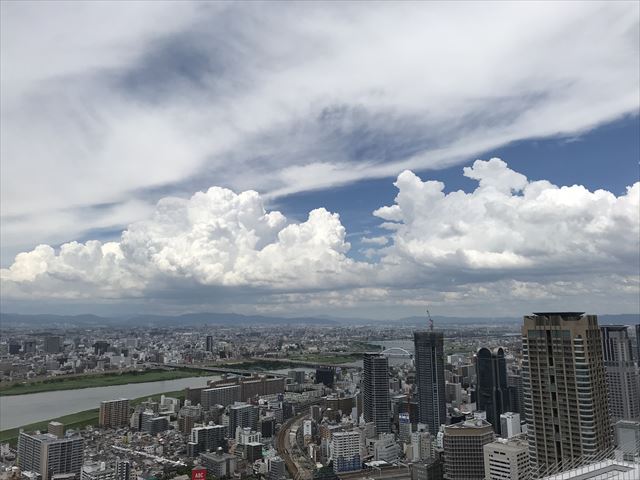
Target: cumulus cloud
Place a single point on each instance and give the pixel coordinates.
(126, 102)
(216, 238)
(510, 224)
(511, 240)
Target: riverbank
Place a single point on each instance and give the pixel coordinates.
(75, 420)
(99, 380)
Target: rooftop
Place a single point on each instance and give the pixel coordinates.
(605, 470)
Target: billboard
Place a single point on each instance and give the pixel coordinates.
(199, 474)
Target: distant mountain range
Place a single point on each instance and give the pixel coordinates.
(234, 319)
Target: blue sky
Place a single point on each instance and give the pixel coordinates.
(189, 156)
(604, 158)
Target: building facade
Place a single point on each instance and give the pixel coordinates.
(377, 401)
(47, 455)
(114, 413)
(429, 360)
(623, 380)
(464, 449)
(345, 451)
(492, 388)
(565, 389)
(507, 460)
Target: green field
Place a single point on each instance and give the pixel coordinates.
(327, 359)
(75, 420)
(102, 380)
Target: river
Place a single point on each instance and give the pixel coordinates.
(18, 410)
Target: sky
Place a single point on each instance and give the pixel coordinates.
(343, 159)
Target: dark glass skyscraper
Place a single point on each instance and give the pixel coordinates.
(492, 388)
(376, 391)
(429, 359)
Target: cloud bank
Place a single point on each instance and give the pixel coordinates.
(509, 241)
(112, 106)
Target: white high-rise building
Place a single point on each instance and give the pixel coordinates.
(421, 446)
(510, 424)
(507, 459)
(345, 451)
(386, 449)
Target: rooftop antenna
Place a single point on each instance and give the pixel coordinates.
(430, 320)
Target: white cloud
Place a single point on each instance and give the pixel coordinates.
(215, 239)
(512, 226)
(117, 102)
(510, 240)
(380, 241)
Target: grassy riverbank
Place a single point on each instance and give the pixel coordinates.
(99, 380)
(75, 420)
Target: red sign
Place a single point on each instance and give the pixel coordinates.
(199, 474)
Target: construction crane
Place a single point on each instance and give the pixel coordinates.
(430, 320)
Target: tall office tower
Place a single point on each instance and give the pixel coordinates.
(463, 449)
(52, 344)
(638, 344)
(622, 373)
(507, 460)
(492, 390)
(114, 413)
(345, 451)
(376, 391)
(242, 415)
(514, 385)
(429, 360)
(209, 343)
(47, 455)
(565, 389)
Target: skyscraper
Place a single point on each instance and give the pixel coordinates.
(47, 455)
(209, 343)
(514, 385)
(565, 389)
(492, 389)
(376, 391)
(429, 359)
(622, 373)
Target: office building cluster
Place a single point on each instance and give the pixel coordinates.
(556, 399)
